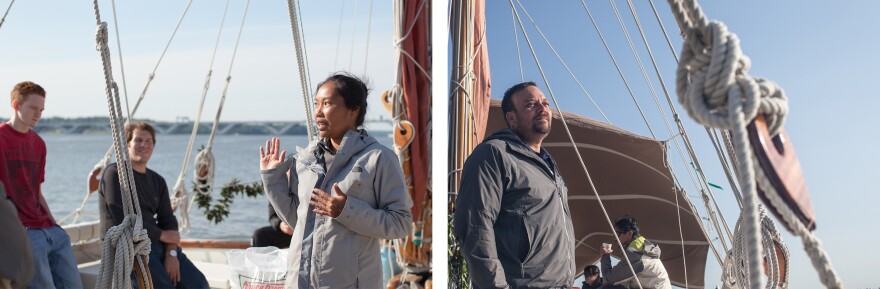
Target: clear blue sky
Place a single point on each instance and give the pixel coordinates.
(53, 44)
(823, 55)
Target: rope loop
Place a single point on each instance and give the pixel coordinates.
(714, 83)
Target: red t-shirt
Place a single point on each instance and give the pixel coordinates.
(23, 162)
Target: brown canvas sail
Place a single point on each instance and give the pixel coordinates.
(632, 177)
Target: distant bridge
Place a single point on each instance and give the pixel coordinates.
(185, 127)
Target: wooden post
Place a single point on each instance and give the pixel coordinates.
(143, 282)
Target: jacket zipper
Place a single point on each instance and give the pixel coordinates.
(564, 214)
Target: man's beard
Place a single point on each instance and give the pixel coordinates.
(537, 128)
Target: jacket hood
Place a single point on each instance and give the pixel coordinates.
(352, 143)
(506, 135)
(516, 144)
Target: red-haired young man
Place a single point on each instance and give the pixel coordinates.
(23, 153)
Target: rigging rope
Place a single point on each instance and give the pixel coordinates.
(632, 95)
(98, 169)
(703, 184)
(338, 34)
(399, 41)
(716, 142)
(203, 170)
(699, 220)
(367, 45)
(516, 39)
(302, 33)
(353, 34)
(181, 198)
(129, 239)
(121, 65)
(714, 87)
(619, 71)
(161, 56)
(303, 71)
(6, 13)
(584, 90)
(574, 145)
(684, 265)
(709, 131)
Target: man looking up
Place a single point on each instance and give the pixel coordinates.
(512, 217)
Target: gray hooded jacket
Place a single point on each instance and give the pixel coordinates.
(341, 252)
(512, 218)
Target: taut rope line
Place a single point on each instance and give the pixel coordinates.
(128, 239)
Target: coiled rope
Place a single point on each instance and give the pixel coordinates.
(734, 273)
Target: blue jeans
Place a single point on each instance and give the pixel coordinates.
(190, 276)
(53, 259)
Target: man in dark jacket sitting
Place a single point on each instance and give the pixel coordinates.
(512, 217)
(169, 267)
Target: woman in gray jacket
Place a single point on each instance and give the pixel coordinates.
(344, 193)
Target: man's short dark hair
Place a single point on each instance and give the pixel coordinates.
(353, 90)
(627, 224)
(591, 270)
(507, 101)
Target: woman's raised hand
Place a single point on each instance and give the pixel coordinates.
(271, 157)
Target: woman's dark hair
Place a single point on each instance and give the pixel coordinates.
(591, 270)
(627, 224)
(352, 89)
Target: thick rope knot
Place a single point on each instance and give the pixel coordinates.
(124, 242)
(714, 84)
(101, 36)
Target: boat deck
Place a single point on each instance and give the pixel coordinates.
(208, 255)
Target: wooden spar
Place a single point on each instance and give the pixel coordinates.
(143, 282)
(460, 143)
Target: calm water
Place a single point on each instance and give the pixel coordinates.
(71, 158)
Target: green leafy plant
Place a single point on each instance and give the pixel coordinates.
(217, 212)
(458, 267)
